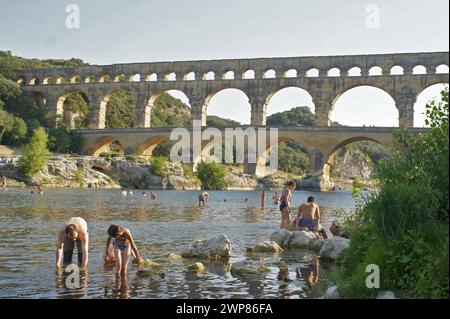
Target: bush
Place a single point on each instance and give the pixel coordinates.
(403, 228)
(35, 154)
(212, 176)
(131, 158)
(158, 165)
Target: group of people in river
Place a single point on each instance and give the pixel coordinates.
(308, 214)
(119, 248)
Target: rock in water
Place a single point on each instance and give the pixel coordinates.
(266, 247)
(146, 263)
(216, 247)
(386, 295)
(316, 245)
(282, 237)
(174, 257)
(332, 293)
(302, 239)
(248, 268)
(334, 248)
(197, 267)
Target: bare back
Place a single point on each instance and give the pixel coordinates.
(309, 210)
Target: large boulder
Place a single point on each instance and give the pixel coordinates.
(316, 245)
(386, 295)
(334, 247)
(266, 247)
(216, 247)
(282, 237)
(302, 239)
(332, 293)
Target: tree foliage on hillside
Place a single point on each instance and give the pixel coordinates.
(169, 111)
(215, 121)
(300, 115)
(121, 110)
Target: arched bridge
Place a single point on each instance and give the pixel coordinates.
(403, 76)
(320, 143)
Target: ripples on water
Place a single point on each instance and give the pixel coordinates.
(29, 223)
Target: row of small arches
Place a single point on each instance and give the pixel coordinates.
(228, 75)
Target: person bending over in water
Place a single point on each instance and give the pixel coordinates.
(285, 205)
(124, 247)
(276, 198)
(74, 231)
(308, 216)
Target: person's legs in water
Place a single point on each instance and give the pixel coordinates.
(69, 246)
(118, 257)
(285, 218)
(126, 254)
(79, 251)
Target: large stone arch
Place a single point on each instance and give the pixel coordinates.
(212, 92)
(96, 146)
(148, 104)
(347, 88)
(273, 91)
(146, 148)
(330, 156)
(100, 117)
(61, 113)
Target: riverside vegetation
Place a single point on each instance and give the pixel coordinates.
(403, 227)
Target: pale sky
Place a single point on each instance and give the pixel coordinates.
(123, 31)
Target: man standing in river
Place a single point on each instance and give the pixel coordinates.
(308, 216)
(74, 231)
(4, 184)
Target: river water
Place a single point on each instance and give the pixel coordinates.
(29, 223)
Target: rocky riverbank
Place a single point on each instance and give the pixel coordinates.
(95, 172)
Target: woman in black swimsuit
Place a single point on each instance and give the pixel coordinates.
(285, 206)
(123, 248)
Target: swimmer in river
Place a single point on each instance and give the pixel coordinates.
(74, 231)
(276, 198)
(124, 248)
(154, 196)
(144, 194)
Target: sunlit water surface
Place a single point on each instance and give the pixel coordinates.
(29, 223)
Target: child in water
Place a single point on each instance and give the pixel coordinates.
(123, 248)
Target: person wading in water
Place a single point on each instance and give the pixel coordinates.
(285, 204)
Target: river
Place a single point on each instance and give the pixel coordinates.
(29, 223)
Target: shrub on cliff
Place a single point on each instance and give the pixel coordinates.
(158, 165)
(35, 154)
(212, 175)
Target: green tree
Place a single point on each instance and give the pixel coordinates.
(35, 154)
(59, 139)
(158, 166)
(301, 115)
(76, 104)
(212, 175)
(121, 110)
(215, 121)
(169, 111)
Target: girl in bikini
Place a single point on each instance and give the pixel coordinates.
(124, 247)
(285, 206)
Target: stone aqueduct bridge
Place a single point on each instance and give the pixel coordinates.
(325, 78)
(258, 78)
(321, 144)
